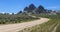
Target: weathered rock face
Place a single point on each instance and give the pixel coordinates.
(33, 9)
(26, 9)
(58, 11)
(30, 8)
(40, 9)
(19, 12)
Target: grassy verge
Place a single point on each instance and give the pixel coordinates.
(58, 28)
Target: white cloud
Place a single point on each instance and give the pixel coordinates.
(3, 12)
(10, 13)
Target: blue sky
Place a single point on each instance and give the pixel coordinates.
(14, 6)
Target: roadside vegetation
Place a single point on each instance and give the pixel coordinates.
(10, 19)
(58, 28)
(45, 27)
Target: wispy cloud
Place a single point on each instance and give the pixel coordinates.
(53, 7)
(3, 12)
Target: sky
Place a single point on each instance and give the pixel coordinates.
(14, 6)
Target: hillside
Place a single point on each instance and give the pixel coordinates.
(11, 19)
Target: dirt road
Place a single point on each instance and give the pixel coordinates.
(20, 26)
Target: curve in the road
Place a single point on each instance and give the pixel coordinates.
(20, 26)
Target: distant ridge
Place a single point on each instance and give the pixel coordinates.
(32, 9)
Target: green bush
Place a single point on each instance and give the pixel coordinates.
(10, 19)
